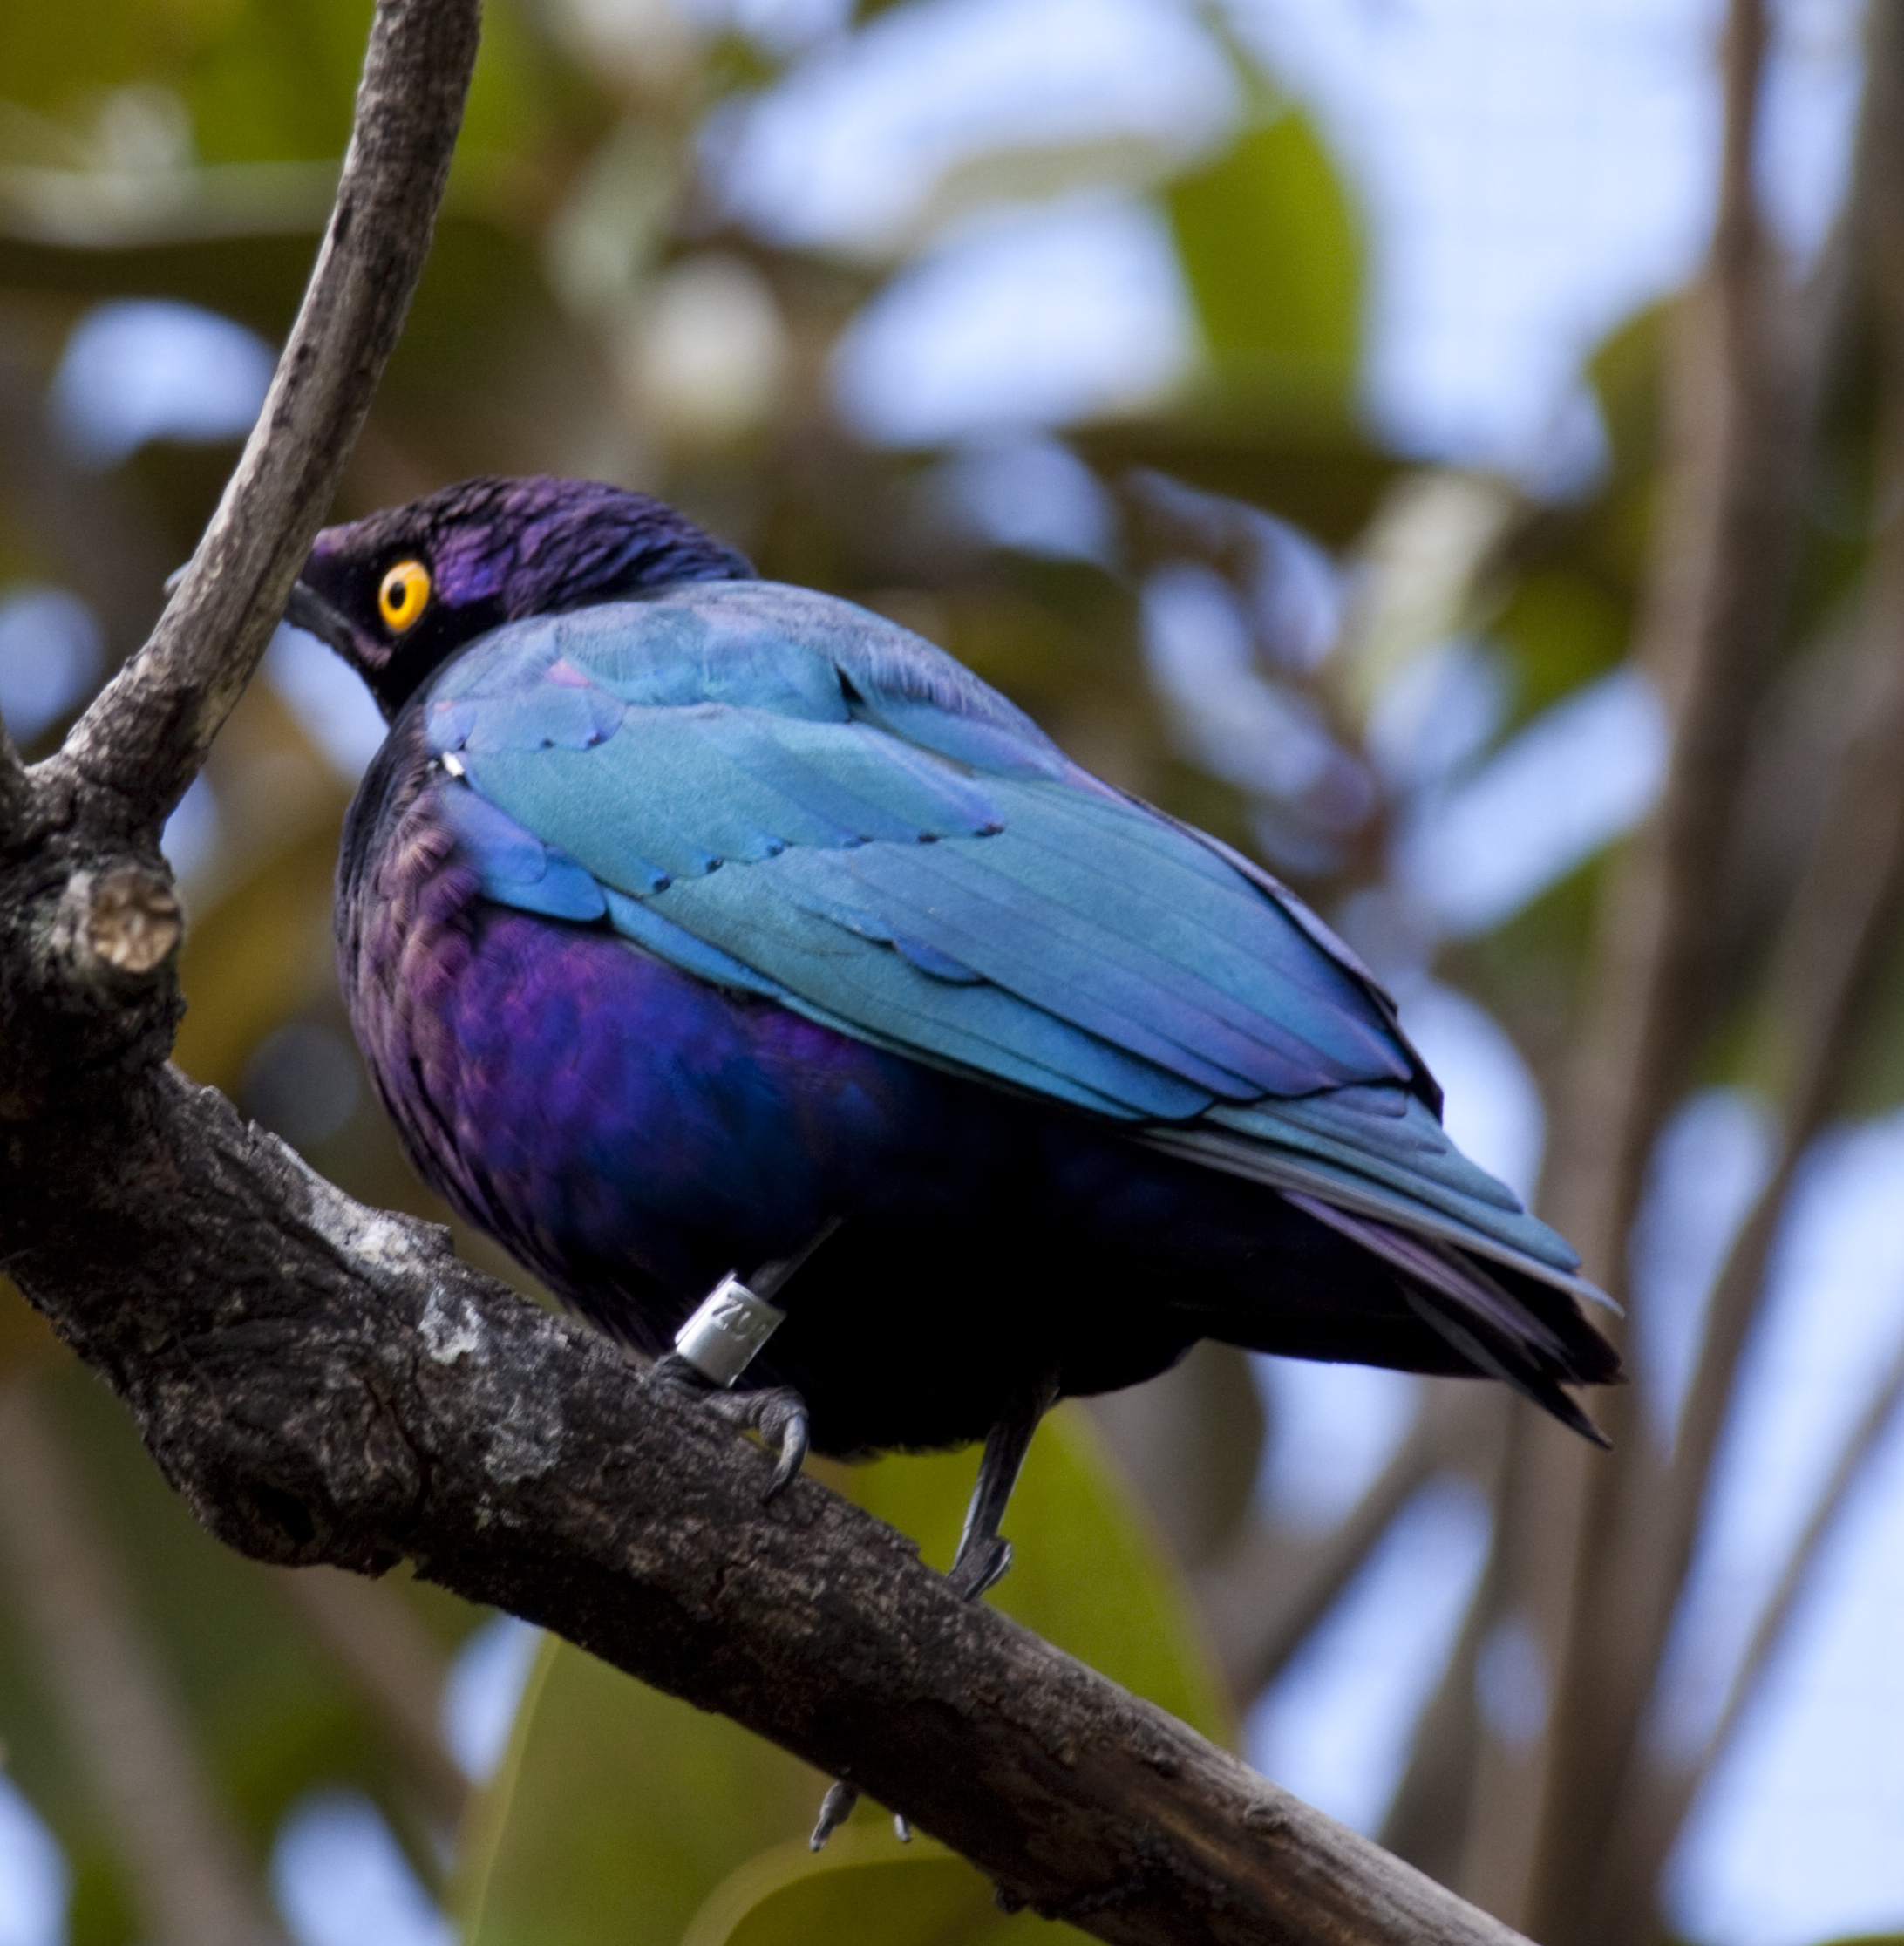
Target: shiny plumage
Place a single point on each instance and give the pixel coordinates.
(683, 914)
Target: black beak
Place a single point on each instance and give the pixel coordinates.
(309, 611)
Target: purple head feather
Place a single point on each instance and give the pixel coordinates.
(495, 550)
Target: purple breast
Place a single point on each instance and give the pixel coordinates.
(630, 1132)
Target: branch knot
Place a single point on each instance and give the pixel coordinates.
(125, 917)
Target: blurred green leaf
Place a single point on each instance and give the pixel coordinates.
(865, 1887)
(48, 67)
(620, 1812)
(273, 81)
(1625, 373)
(1328, 478)
(1035, 172)
(1874, 1079)
(25, 1337)
(1273, 251)
(256, 958)
(1564, 628)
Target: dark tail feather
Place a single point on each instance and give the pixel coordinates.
(1528, 1380)
(1486, 1323)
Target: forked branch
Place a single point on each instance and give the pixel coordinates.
(143, 741)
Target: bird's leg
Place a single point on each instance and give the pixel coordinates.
(779, 1415)
(983, 1558)
(718, 1343)
(983, 1553)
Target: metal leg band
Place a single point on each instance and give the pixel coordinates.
(727, 1330)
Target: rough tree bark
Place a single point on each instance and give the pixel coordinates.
(326, 1383)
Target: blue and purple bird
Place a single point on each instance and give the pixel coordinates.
(692, 924)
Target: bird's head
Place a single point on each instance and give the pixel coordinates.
(398, 593)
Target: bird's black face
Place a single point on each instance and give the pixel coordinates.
(398, 593)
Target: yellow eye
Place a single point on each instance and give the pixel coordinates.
(404, 594)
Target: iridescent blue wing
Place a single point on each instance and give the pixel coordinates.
(783, 793)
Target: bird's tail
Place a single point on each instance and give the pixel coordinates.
(1501, 1331)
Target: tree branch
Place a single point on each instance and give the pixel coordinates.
(324, 1383)
(1842, 919)
(1877, 1420)
(1709, 619)
(143, 740)
(1431, 1819)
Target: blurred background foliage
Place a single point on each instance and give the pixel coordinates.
(1077, 335)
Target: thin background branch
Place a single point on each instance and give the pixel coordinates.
(187, 1870)
(1657, 1803)
(1265, 1595)
(1739, 398)
(1831, 949)
(375, 1643)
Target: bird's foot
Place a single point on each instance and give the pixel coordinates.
(983, 1556)
(778, 1415)
(980, 1566)
(834, 1809)
(837, 1807)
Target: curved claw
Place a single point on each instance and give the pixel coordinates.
(834, 1809)
(779, 1416)
(782, 1424)
(980, 1566)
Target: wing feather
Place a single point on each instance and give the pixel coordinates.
(782, 793)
